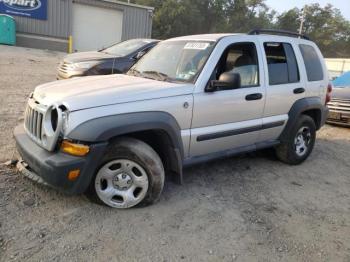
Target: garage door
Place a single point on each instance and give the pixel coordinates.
(95, 28)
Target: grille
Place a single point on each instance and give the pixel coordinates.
(65, 67)
(33, 121)
(339, 105)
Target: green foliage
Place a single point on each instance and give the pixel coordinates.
(173, 18)
(324, 25)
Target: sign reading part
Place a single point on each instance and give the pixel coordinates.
(36, 9)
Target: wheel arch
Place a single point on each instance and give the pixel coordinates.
(311, 106)
(160, 130)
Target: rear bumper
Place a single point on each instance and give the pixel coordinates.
(324, 116)
(52, 168)
(339, 117)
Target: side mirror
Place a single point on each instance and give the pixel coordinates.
(139, 55)
(227, 81)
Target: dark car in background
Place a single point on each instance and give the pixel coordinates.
(339, 106)
(116, 59)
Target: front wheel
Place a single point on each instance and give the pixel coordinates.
(297, 148)
(131, 174)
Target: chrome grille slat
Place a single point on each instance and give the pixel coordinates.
(64, 67)
(33, 122)
(337, 104)
(39, 126)
(26, 117)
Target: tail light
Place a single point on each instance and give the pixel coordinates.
(329, 93)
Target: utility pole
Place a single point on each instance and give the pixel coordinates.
(302, 19)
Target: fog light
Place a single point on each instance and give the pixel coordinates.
(74, 149)
(73, 175)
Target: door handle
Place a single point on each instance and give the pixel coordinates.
(252, 97)
(299, 90)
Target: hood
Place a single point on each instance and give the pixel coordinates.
(341, 93)
(93, 91)
(87, 56)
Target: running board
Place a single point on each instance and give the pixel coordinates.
(228, 153)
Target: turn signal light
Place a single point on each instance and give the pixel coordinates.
(74, 149)
(329, 93)
(73, 175)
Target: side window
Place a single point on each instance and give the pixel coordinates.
(282, 64)
(240, 58)
(312, 63)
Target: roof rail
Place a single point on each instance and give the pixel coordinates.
(277, 32)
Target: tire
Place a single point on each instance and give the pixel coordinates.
(131, 174)
(293, 151)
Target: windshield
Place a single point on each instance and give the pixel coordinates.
(126, 47)
(179, 61)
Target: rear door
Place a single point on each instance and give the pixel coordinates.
(316, 71)
(285, 84)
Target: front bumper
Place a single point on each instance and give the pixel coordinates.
(68, 74)
(52, 168)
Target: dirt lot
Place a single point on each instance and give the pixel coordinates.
(247, 208)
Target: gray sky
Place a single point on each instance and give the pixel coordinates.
(283, 5)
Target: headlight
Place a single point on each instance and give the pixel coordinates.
(65, 116)
(52, 125)
(52, 120)
(85, 65)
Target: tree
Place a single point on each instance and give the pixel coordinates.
(324, 25)
(183, 17)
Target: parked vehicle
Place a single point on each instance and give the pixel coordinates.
(190, 99)
(116, 59)
(339, 106)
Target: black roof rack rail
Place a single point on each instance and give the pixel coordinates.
(277, 32)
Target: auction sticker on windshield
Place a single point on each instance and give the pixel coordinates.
(196, 45)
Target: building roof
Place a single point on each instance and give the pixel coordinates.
(130, 4)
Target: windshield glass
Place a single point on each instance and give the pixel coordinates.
(126, 47)
(178, 61)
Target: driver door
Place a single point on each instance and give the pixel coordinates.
(230, 119)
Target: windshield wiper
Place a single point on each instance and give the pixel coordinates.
(159, 75)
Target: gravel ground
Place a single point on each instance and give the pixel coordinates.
(247, 208)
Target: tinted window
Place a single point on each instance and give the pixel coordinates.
(282, 64)
(241, 59)
(312, 63)
(126, 47)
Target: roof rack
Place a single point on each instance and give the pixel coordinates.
(277, 32)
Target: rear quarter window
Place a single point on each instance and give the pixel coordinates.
(312, 63)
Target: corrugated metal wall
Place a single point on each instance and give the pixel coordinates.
(56, 25)
(137, 21)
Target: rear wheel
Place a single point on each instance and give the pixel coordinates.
(300, 144)
(131, 174)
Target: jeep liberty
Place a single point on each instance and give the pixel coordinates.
(190, 99)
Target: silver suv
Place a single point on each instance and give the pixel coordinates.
(190, 99)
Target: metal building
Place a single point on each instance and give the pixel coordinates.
(77, 25)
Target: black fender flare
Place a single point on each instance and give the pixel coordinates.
(298, 108)
(103, 129)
